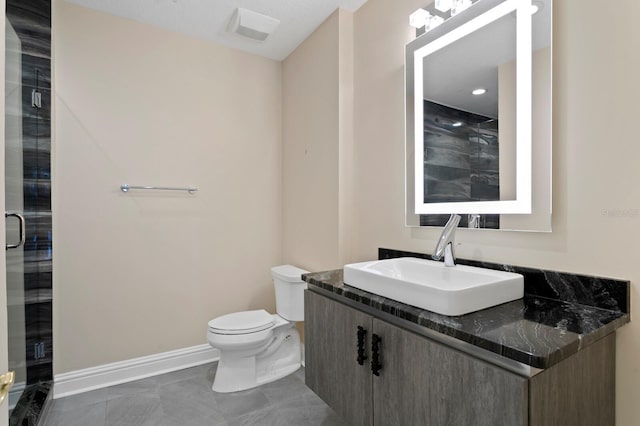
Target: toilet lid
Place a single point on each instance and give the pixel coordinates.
(242, 322)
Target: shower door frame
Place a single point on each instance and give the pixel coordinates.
(4, 351)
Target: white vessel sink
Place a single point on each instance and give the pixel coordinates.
(430, 285)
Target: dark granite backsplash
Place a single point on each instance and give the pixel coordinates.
(604, 293)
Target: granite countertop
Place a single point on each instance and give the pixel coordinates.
(537, 331)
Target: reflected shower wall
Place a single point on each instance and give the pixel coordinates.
(461, 161)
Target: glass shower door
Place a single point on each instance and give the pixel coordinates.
(14, 204)
(28, 195)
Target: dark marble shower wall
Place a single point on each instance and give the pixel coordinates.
(461, 158)
(31, 19)
(461, 161)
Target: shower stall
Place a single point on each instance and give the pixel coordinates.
(28, 205)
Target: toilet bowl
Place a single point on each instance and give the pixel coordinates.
(257, 347)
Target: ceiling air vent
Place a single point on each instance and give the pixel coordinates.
(253, 25)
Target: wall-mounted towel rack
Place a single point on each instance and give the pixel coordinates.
(126, 187)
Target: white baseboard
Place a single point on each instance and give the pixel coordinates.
(102, 376)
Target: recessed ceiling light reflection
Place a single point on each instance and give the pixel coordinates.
(456, 124)
(479, 91)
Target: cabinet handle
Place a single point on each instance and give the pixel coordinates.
(362, 333)
(376, 366)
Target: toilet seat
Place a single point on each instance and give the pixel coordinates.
(242, 322)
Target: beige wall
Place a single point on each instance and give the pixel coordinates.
(142, 273)
(595, 156)
(317, 146)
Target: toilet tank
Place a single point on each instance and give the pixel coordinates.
(289, 291)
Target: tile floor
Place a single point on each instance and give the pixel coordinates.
(185, 398)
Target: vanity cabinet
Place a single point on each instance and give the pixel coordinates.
(332, 370)
(426, 383)
(410, 379)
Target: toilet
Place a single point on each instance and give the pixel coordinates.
(257, 347)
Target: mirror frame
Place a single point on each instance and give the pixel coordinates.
(482, 13)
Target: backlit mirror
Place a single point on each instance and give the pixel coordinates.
(478, 110)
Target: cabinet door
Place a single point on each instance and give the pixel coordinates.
(578, 391)
(425, 383)
(331, 367)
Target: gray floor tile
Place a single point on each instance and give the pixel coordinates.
(205, 374)
(168, 421)
(185, 398)
(322, 415)
(263, 417)
(290, 413)
(80, 400)
(131, 388)
(134, 410)
(209, 373)
(187, 373)
(191, 403)
(155, 419)
(299, 373)
(236, 404)
(94, 415)
(307, 409)
(331, 420)
(285, 388)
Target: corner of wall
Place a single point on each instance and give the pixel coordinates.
(347, 197)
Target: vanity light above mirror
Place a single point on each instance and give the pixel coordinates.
(428, 20)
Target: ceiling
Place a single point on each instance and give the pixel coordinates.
(208, 19)
(450, 74)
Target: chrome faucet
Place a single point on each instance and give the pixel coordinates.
(474, 221)
(445, 242)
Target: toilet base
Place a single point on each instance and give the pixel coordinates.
(281, 357)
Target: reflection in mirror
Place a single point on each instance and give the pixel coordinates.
(476, 29)
(461, 129)
(471, 143)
